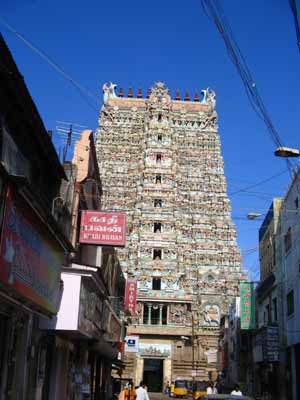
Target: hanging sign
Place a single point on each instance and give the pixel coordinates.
(106, 228)
(30, 258)
(130, 296)
(131, 344)
(247, 308)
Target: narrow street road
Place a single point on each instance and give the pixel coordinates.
(162, 396)
(158, 396)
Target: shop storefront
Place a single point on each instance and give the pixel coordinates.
(29, 286)
(85, 339)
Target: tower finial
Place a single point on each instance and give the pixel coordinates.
(130, 92)
(139, 93)
(187, 96)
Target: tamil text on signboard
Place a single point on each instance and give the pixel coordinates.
(247, 305)
(130, 296)
(30, 260)
(106, 228)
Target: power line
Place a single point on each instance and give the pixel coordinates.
(85, 93)
(258, 183)
(293, 6)
(214, 11)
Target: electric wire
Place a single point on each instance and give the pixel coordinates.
(85, 93)
(214, 11)
(258, 183)
(293, 6)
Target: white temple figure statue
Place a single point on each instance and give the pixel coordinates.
(209, 97)
(109, 91)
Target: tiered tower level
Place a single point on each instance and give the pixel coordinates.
(160, 161)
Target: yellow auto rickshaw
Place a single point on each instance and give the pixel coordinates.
(199, 390)
(180, 388)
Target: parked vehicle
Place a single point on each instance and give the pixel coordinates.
(180, 388)
(200, 388)
(225, 397)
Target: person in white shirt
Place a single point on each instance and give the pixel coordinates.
(236, 391)
(210, 389)
(141, 392)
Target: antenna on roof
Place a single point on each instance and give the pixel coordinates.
(68, 133)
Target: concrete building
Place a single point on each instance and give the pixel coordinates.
(83, 339)
(235, 352)
(268, 339)
(289, 241)
(33, 246)
(160, 161)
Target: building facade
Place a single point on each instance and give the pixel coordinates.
(84, 337)
(33, 247)
(289, 255)
(160, 161)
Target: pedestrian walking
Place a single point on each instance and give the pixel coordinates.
(210, 388)
(130, 393)
(141, 392)
(237, 391)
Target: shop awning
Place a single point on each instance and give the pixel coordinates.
(104, 349)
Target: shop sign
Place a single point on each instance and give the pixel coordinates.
(103, 228)
(30, 260)
(130, 296)
(131, 344)
(247, 308)
(272, 344)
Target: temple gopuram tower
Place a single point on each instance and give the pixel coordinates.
(160, 162)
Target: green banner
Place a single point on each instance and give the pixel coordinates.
(247, 305)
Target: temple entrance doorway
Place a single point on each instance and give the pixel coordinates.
(153, 374)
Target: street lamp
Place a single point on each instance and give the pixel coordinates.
(254, 215)
(287, 152)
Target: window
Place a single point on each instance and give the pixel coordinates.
(12, 158)
(157, 254)
(159, 137)
(157, 227)
(290, 303)
(159, 117)
(296, 202)
(275, 313)
(156, 284)
(158, 158)
(158, 179)
(288, 240)
(157, 202)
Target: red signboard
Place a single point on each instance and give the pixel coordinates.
(108, 228)
(130, 296)
(30, 259)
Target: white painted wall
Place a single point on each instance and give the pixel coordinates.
(67, 317)
(290, 217)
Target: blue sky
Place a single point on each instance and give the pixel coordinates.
(136, 43)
